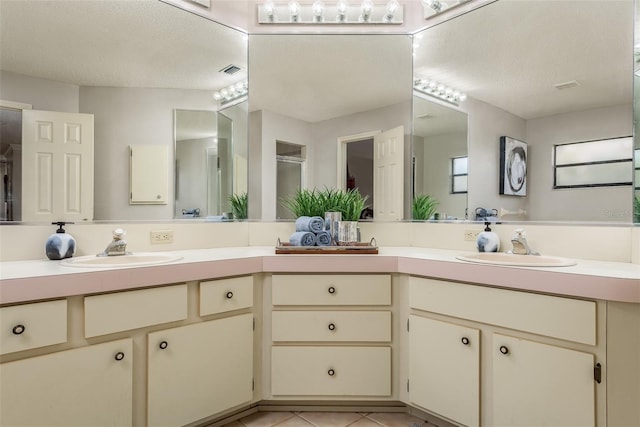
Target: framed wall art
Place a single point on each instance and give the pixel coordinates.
(513, 167)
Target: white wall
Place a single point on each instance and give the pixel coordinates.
(486, 125)
(126, 116)
(585, 204)
(40, 93)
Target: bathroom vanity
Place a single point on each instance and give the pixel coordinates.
(223, 332)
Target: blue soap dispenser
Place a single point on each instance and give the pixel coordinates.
(60, 245)
(488, 241)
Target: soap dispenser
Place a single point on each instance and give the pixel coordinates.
(488, 241)
(60, 245)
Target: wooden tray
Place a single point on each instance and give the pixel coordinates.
(359, 248)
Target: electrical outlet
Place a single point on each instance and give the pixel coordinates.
(471, 235)
(161, 236)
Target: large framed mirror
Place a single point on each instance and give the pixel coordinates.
(130, 65)
(547, 73)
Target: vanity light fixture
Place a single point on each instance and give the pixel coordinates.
(330, 12)
(234, 92)
(438, 90)
(435, 7)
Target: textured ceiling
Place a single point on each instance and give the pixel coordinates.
(141, 43)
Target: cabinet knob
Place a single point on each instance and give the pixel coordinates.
(332, 290)
(331, 372)
(119, 356)
(163, 345)
(229, 295)
(18, 329)
(504, 349)
(332, 326)
(465, 340)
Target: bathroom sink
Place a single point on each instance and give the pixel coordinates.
(503, 258)
(130, 260)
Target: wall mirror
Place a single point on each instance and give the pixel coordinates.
(636, 117)
(546, 73)
(312, 91)
(131, 65)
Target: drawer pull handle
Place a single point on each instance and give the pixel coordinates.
(465, 340)
(163, 345)
(331, 372)
(332, 326)
(332, 290)
(18, 329)
(119, 356)
(504, 349)
(229, 295)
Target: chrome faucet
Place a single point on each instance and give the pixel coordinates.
(117, 246)
(520, 245)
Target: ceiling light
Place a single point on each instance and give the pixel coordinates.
(439, 90)
(435, 7)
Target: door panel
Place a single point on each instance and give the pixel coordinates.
(57, 172)
(388, 183)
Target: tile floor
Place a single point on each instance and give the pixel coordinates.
(330, 419)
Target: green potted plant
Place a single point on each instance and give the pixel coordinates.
(239, 205)
(424, 206)
(304, 203)
(636, 209)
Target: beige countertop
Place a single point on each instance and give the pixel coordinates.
(22, 281)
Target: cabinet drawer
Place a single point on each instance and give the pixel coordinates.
(33, 325)
(558, 317)
(331, 326)
(219, 296)
(122, 311)
(331, 289)
(331, 371)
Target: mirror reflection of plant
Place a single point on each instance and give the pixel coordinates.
(239, 205)
(636, 209)
(424, 206)
(316, 202)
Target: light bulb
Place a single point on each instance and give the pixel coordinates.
(463, 97)
(224, 92)
(342, 7)
(217, 96)
(294, 10)
(269, 9)
(318, 11)
(392, 7)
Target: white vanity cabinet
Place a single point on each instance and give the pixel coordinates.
(331, 336)
(87, 386)
(534, 366)
(198, 370)
(444, 369)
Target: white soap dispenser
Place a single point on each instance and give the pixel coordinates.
(60, 245)
(488, 241)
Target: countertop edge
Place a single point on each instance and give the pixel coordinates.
(439, 264)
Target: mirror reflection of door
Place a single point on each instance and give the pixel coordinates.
(196, 145)
(290, 174)
(360, 171)
(10, 163)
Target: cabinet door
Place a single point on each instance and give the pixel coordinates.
(539, 384)
(149, 174)
(444, 369)
(87, 386)
(198, 370)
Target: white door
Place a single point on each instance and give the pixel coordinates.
(388, 182)
(57, 166)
